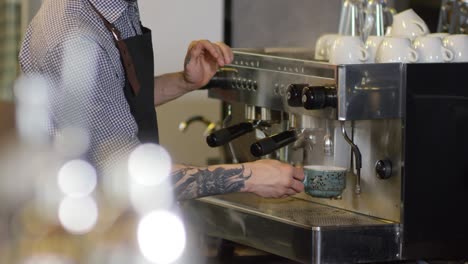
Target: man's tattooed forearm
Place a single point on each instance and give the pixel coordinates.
(179, 174)
(195, 182)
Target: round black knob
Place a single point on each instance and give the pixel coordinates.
(319, 97)
(383, 168)
(294, 94)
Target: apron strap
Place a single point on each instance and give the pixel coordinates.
(123, 50)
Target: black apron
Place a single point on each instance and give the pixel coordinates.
(136, 54)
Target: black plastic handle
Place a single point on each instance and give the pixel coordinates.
(226, 135)
(268, 145)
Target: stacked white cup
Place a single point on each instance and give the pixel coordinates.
(440, 35)
(458, 44)
(323, 46)
(396, 49)
(409, 25)
(348, 50)
(408, 42)
(397, 46)
(431, 50)
(372, 44)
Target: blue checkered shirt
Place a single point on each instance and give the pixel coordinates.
(68, 44)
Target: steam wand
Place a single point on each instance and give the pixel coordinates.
(357, 156)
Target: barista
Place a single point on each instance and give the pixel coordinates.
(98, 59)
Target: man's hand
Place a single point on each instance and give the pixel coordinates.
(273, 179)
(203, 60)
(201, 63)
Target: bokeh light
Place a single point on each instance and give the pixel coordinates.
(72, 142)
(43, 174)
(149, 198)
(149, 165)
(78, 215)
(161, 237)
(32, 117)
(77, 178)
(47, 259)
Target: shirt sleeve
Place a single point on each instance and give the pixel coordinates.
(87, 93)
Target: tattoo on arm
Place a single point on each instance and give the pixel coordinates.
(194, 182)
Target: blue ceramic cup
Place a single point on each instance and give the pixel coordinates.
(324, 181)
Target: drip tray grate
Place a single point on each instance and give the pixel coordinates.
(294, 211)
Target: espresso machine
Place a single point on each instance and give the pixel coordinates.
(401, 130)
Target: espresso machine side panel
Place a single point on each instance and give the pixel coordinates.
(435, 171)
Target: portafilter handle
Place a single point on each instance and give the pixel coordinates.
(268, 145)
(226, 135)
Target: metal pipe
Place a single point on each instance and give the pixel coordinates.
(250, 112)
(210, 126)
(357, 156)
(183, 126)
(265, 114)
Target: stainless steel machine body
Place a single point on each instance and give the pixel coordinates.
(385, 110)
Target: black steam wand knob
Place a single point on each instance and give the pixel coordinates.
(319, 97)
(294, 94)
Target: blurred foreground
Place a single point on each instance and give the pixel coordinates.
(55, 210)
